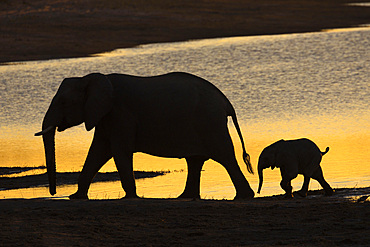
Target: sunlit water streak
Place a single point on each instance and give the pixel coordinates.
(313, 85)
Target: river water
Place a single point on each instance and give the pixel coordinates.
(313, 85)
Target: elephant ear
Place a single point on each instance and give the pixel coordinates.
(275, 150)
(274, 159)
(99, 99)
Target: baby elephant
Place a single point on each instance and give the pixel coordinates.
(294, 157)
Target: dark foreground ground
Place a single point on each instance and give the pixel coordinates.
(340, 220)
(44, 29)
(314, 221)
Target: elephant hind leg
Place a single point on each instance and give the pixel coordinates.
(319, 176)
(242, 187)
(223, 153)
(192, 187)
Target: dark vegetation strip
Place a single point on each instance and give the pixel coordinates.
(65, 178)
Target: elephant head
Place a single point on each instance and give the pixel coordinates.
(82, 99)
(267, 159)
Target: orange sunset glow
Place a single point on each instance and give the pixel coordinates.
(140, 123)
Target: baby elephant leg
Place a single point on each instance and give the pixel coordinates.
(285, 184)
(287, 176)
(303, 191)
(318, 175)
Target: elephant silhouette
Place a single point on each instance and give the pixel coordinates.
(176, 115)
(294, 157)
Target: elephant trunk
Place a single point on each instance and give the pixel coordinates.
(260, 175)
(48, 135)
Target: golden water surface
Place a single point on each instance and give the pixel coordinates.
(345, 165)
(313, 85)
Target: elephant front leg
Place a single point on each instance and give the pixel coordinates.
(125, 169)
(192, 187)
(303, 191)
(98, 155)
(288, 173)
(285, 184)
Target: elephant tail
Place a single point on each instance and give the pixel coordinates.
(246, 157)
(326, 150)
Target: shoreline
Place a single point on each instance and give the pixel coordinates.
(110, 52)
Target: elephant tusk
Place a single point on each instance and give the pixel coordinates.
(43, 132)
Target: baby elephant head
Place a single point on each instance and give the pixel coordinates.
(267, 159)
(86, 99)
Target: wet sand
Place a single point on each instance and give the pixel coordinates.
(39, 29)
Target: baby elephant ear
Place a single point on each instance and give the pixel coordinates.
(99, 99)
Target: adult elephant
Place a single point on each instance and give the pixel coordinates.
(176, 115)
(294, 157)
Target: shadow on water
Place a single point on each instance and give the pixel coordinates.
(63, 178)
(16, 170)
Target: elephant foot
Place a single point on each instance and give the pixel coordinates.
(329, 192)
(288, 196)
(300, 193)
(78, 196)
(130, 196)
(186, 195)
(240, 196)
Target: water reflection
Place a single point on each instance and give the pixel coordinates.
(283, 87)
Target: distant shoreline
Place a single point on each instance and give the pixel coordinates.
(41, 30)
